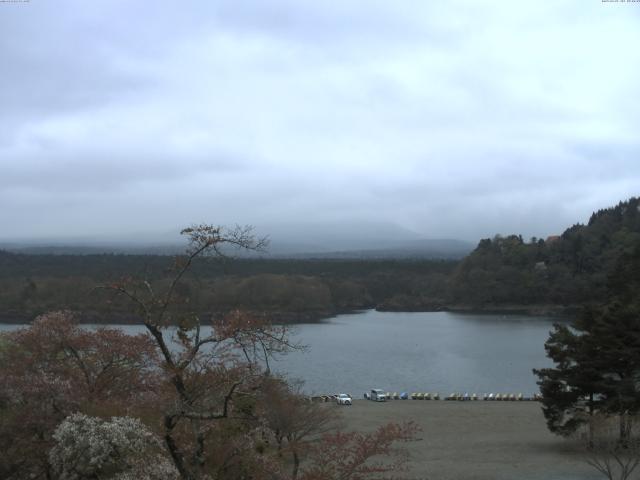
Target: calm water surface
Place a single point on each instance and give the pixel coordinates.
(429, 352)
(435, 351)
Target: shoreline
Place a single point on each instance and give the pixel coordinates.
(535, 310)
(297, 318)
(94, 318)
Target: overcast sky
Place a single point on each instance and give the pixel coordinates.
(452, 119)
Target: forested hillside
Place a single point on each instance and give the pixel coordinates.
(571, 269)
(291, 290)
(552, 274)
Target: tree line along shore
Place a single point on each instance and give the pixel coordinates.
(551, 276)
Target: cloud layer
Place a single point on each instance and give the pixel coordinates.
(453, 119)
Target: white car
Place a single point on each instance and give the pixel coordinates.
(378, 395)
(343, 399)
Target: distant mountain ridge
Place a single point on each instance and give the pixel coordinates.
(425, 248)
(353, 240)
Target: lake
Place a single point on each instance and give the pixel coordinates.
(416, 352)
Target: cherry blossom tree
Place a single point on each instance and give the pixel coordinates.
(54, 368)
(121, 448)
(361, 456)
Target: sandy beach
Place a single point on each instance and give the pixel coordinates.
(477, 440)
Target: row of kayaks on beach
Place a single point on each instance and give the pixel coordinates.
(490, 397)
(500, 397)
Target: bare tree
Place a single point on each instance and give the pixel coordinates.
(294, 420)
(613, 458)
(208, 374)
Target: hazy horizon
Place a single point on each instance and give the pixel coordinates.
(284, 240)
(456, 120)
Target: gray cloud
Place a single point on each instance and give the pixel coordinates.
(454, 119)
(80, 171)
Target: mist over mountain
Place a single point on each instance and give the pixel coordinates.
(295, 240)
(358, 240)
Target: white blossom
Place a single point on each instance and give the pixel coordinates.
(119, 449)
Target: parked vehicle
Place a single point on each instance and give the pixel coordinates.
(343, 399)
(378, 395)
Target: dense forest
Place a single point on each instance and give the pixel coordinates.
(290, 290)
(566, 270)
(538, 275)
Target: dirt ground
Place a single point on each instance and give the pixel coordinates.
(476, 440)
